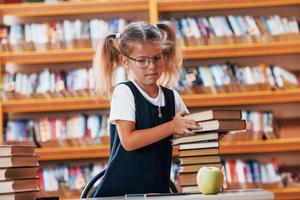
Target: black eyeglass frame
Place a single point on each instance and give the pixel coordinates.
(148, 60)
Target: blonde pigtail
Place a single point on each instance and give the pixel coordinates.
(106, 60)
(171, 52)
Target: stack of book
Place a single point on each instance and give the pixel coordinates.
(18, 172)
(202, 147)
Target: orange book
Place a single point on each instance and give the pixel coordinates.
(18, 173)
(17, 150)
(195, 168)
(200, 159)
(18, 161)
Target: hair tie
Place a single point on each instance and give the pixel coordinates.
(118, 35)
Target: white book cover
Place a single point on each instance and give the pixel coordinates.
(294, 25)
(272, 26)
(254, 25)
(214, 24)
(226, 76)
(194, 27)
(227, 170)
(285, 24)
(18, 82)
(226, 26)
(58, 129)
(234, 25)
(251, 27)
(279, 25)
(215, 74)
(27, 33)
(78, 28)
(270, 77)
(186, 30)
(248, 75)
(52, 82)
(239, 168)
(69, 30)
(242, 24)
(25, 84)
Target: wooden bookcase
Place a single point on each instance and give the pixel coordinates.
(153, 10)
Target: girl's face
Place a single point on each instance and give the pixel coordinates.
(145, 64)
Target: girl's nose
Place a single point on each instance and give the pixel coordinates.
(151, 64)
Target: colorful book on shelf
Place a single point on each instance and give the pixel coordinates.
(21, 185)
(18, 173)
(16, 150)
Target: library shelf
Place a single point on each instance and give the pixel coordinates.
(189, 5)
(242, 98)
(286, 193)
(191, 100)
(237, 147)
(73, 152)
(48, 56)
(241, 49)
(260, 146)
(189, 52)
(71, 8)
(54, 104)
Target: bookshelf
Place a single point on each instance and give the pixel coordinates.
(286, 193)
(227, 148)
(189, 5)
(189, 52)
(192, 100)
(154, 8)
(71, 8)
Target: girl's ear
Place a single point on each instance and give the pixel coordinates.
(124, 61)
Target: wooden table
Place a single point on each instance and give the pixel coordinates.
(255, 194)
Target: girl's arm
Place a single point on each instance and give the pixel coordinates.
(132, 139)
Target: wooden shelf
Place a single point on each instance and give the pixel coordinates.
(246, 98)
(55, 104)
(188, 5)
(195, 100)
(261, 146)
(189, 52)
(72, 8)
(49, 56)
(71, 153)
(286, 193)
(241, 50)
(238, 147)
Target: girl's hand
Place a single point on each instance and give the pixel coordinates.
(182, 126)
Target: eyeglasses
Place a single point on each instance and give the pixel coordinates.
(144, 61)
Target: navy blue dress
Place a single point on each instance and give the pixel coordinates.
(145, 170)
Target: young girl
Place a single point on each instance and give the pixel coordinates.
(143, 115)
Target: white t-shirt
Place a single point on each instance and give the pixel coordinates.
(122, 106)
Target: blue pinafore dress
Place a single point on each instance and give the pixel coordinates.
(145, 170)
